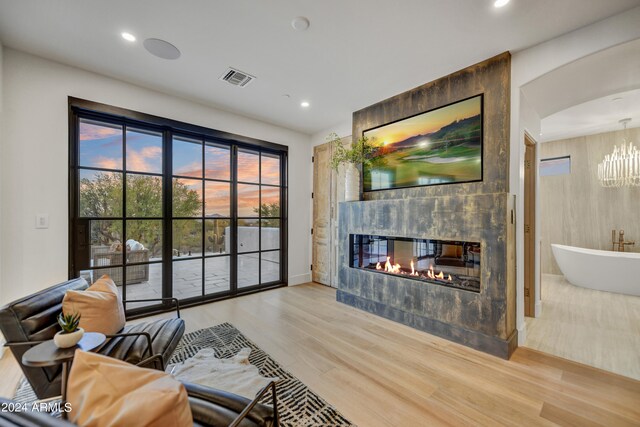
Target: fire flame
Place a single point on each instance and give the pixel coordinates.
(397, 269)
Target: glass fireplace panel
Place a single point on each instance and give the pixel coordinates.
(444, 262)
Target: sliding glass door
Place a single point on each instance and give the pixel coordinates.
(168, 213)
(202, 218)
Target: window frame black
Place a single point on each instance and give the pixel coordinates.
(169, 128)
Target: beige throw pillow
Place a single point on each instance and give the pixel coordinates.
(104, 391)
(450, 251)
(100, 307)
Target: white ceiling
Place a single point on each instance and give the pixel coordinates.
(355, 53)
(603, 73)
(576, 99)
(595, 116)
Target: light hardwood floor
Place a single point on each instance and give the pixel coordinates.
(600, 329)
(380, 373)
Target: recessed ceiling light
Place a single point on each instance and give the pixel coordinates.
(161, 49)
(500, 3)
(304, 104)
(128, 37)
(300, 23)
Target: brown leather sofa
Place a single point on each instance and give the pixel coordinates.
(32, 319)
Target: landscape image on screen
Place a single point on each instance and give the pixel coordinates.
(437, 147)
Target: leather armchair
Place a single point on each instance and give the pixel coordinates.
(32, 319)
(211, 407)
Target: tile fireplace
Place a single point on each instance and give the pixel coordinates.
(465, 237)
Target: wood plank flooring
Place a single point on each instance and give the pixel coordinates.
(380, 373)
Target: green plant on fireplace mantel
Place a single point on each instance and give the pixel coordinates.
(362, 152)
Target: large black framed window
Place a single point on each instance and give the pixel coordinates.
(169, 209)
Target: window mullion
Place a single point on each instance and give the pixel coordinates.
(124, 212)
(167, 197)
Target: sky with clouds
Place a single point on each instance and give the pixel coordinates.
(101, 146)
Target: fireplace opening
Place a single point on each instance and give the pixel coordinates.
(454, 264)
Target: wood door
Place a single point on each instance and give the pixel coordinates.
(529, 227)
(322, 222)
(338, 184)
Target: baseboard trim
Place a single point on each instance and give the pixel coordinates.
(299, 279)
(492, 345)
(522, 333)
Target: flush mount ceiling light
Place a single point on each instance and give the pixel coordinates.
(500, 3)
(161, 49)
(300, 23)
(128, 36)
(304, 104)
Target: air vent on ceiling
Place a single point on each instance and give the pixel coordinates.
(237, 77)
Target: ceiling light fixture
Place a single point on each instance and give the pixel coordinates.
(128, 37)
(621, 168)
(304, 104)
(500, 3)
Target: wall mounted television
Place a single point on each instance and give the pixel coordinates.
(440, 146)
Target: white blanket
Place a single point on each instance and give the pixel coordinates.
(235, 375)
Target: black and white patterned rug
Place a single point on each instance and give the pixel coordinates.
(297, 404)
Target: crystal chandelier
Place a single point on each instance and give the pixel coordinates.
(622, 167)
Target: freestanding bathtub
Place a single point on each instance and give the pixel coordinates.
(600, 270)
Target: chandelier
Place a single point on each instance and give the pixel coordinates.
(621, 168)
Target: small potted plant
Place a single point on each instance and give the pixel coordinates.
(364, 152)
(70, 333)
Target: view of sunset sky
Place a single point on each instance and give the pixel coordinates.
(101, 146)
(425, 123)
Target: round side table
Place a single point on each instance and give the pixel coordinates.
(47, 354)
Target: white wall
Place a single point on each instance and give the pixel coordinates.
(2, 348)
(34, 164)
(342, 129)
(529, 64)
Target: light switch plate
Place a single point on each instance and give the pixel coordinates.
(42, 221)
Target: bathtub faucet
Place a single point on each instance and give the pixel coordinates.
(621, 242)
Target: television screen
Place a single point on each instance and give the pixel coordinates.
(441, 146)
